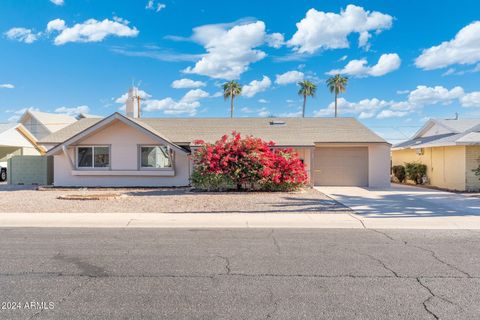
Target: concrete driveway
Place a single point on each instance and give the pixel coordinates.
(402, 201)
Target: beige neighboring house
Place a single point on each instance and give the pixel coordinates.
(449, 148)
(133, 151)
(42, 124)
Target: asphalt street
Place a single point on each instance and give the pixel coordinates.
(73, 273)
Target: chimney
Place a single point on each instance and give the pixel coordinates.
(133, 103)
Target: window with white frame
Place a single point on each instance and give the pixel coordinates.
(93, 157)
(155, 157)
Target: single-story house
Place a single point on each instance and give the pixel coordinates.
(449, 148)
(42, 124)
(131, 150)
(15, 140)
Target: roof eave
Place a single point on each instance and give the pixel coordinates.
(93, 128)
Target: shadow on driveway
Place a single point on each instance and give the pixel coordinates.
(404, 201)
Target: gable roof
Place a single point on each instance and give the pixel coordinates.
(81, 134)
(283, 131)
(52, 121)
(459, 132)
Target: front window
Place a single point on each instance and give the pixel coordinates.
(93, 157)
(155, 157)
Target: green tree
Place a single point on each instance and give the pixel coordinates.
(307, 89)
(337, 84)
(231, 89)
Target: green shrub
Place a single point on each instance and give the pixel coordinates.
(209, 181)
(415, 171)
(399, 173)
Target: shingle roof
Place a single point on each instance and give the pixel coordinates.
(462, 132)
(459, 125)
(293, 131)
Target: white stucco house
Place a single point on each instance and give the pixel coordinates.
(131, 150)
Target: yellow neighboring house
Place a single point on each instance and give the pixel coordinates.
(449, 148)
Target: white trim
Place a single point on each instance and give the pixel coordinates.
(159, 173)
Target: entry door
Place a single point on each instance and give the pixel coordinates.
(341, 166)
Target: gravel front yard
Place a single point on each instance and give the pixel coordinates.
(24, 199)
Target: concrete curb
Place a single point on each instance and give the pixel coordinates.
(243, 220)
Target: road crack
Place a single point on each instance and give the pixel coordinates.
(434, 255)
(273, 302)
(75, 288)
(431, 252)
(381, 263)
(275, 242)
(358, 219)
(432, 295)
(227, 264)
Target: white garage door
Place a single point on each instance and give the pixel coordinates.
(341, 166)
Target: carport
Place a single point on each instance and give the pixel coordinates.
(15, 140)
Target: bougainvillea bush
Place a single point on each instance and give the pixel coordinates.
(247, 163)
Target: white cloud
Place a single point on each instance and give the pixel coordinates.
(365, 108)
(187, 84)
(22, 35)
(188, 104)
(194, 95)
(359, 68)
(152, 5)
(73, 111)
(256, 86)
(262, 101)
(463, 49)
(424, 95)
(58, 2)
(229, 51)
(471, 99)
(7, 86)
(391, 114)
(56, 25)
(328, 30)
(275, 40)
(417, 99)
(95, 31)
(123, 98)
(19, 113)
(289, 77)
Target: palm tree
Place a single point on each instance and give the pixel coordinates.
(337, 84)
(307, 89)
(231, 89)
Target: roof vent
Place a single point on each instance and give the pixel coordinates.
(277, 123)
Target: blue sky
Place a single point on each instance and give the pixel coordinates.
(406, 60)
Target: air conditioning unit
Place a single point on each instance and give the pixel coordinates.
(419, 151)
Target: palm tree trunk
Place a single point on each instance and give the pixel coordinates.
(304, 104)
(336, 104)
(231, 106)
